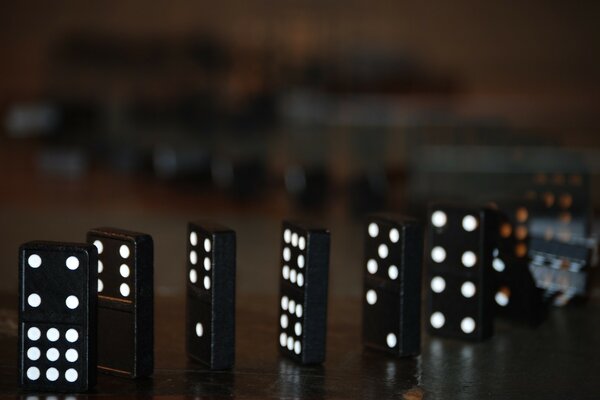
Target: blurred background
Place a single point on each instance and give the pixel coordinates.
(144, 115)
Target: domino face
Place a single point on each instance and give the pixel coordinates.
(57, 316)
(561, 207)
(392, 285)
(461, 244)
(515, 294)
(303, 292)
(560, 219)
(125, 301)
(210, 320)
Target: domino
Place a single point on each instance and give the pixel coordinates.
(560, 269)
(210, 314)
(561, 207)
(459, 256)
(303, 292)
(125, 301)
(57, 316)
(560, 226)
(515, 295)
(392, 285)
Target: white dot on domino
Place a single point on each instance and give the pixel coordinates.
(207, 245)
(199, 329)
(469, 223)
(72, 263)
(438, 254)
(437, 320)
(71, 375)
(34, 333)
(124, 270)
(33, 353)
(193, 276)
(394, 235)
(298, 328)
(501, 299)
(193, 257)
(34, 300)
(282, 339)
(287, 254)
(371, 296)
(290, 343)
(206, 283)
(383, 251)
(124, 251)
(439, 219)
(285, 271)
(52, 374)
(53, 334)
(468, 259)
(99, 246)
(294, 239)
(284, 302)
(302, 243)
(467, 325)
(72, 335)
(193, 238)
(300, 279)
(124, 290)
(393, 272)
(34, 261)
(391, 340)
(33, 373)
(373, 229)
(468, 289)
(300, 261)
(299, 310)
(72, 302)
(207, 264)
(284, 321)
(52, 354)
(438, 284)
(287, 236)
(372, 266)
(498, 264)
(297, 347)
(71, 355)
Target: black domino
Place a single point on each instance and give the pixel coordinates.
(210, 314)
(304, 271)
(516, 296)
(392, 285)
(125, 301)
(459, 257)
(57, 316)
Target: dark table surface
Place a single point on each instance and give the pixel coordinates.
(560, 359)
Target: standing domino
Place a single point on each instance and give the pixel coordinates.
(210, 321)
(57, 316)
(461, 244)
(561, 269)
(392, 285)
(515, 295)
(303, 292)
(125, 301)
